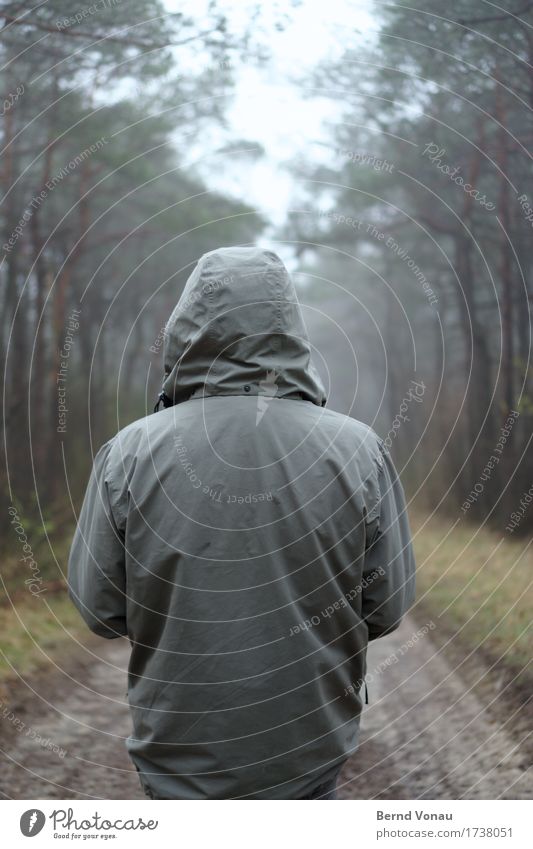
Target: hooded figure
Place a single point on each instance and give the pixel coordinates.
(249, 542)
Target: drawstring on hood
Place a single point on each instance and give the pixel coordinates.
(238, 329)
(162, 399)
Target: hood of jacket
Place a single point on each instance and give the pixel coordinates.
(238, 329)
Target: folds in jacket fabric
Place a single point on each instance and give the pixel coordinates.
(249, 542)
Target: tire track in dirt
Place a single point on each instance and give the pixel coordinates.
(424, 733)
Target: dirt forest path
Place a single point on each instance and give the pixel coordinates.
(424, 733)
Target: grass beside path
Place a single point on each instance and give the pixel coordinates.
(476, 585)
(36, 634)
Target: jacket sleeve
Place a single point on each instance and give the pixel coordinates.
(96, 567)
(389, 566)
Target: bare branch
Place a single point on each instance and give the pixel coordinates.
(94, 36)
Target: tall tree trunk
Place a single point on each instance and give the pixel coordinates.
(506, 258)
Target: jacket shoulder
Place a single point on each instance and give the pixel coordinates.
(358, 434)
(126, 442)
(137, 430)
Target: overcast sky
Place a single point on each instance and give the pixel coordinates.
(269, 105)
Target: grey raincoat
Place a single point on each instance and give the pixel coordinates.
(249, 542)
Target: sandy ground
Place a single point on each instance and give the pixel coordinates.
(425, 734)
